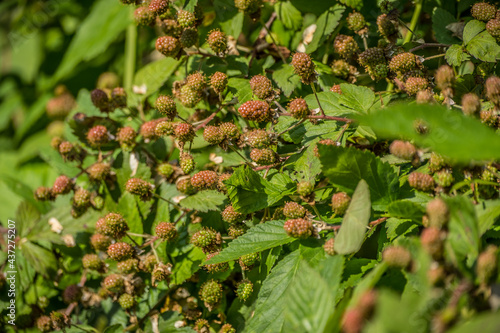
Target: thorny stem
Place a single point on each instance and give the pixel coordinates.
(282, 109)
(317, 99)
(149, 242)
(365, 42)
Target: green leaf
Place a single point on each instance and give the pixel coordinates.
(484, 323)
(204, 201)
(189, 5)
(239, 88)
(355, 4)
(102, 26)
(309, 301)
(440, 19)
(345, 167)
(325, 25)
(42, 260)
(114, 329)
(488, 212)
(186, 264)
(484, 47)
(229, 18)
(352, 231)
(455, 55)
(405, 209)
(358, 98)
(155, 74)
(450, 133)
(257, 239)
(249, 192)
(289, 15)
(286, 79)
(270, 304)
(472, 29)
(24, 191)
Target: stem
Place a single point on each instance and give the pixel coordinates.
(346, 120)
(425, 45)
(365, 42)
(205, 122)
(130, 55)
(435, 56)
(133, 241)
(317, 99)
(170, 202)
(138, 235)
(292, 127)
(414, 21)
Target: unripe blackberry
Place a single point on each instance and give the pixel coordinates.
(255, 110)
(218, 82)
(356, 21)
(113, 225)
(59, 320)
(158, 7)
(118, 97)
(196, 81)
(148, 130)
(201, 326)
(186, 19)
(120, 251)
(184, 132)
(211, 292)
(403, 62)
(425, 97)
(227, 328)
(483, 11)
(397, 256)
(236, 230)
(371, 57)
(56, 141)
(493, 90)
(421, 181)
(340, 203)
(244, 290)
(303, 66)
(189, 97)
(386, 27)
(247, 261)
(263, 156)
(345, 46)
(97, 136)
(304, 188)
(189, 37)
(436, 162)
(445, 77)
(166, 106)
(336, 89)
(144, 16)
(248, 6)
(184, 186)
(216, 268)
(71, 294)
(44, 324)
(207, 239)
(100, 242)
(170, 27)
(99, 171)
(432, 242)
(487, 263)
(258, 138)
(62, 185)
(213, 135)
(126, 137)
(378, 72)
(293, 210)
(164, 128)
(100, 100)
(341, 69)
(298, 108)
(299, 228)
(126, 301)
(81, 198)
(231, 216)
(329, 246)
(229, 130)
(438, 213)
(353, 321)
(217, 40)
(186, 163)
(444, 178)
(92, 261)
(113, 283)
(166, 231)
(471, 105)
(493, 27)
(488, 117)
(205, 180)
(60, 106)
(168, 46)
(141, 188)
(148, 264)
(261, 86)
(403, 149)
(44, 194)
(128, 266)
(220, 183)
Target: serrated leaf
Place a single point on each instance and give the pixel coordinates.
(189, 5)
(354, 226)
(249, 192)
(488, 212)
(256, 239)
(155, 74)
(229, 18)
(472, 29)
(484, 47)
(405, 209)
(450, 132)
(239, 88)
(186, 264)
(286, 79)
(345, 167)
(109, 16)
(204, 201)
(289, 15)
(455, 55)
(358, 98)
(440, 19)
(325, 25)
(42, 260)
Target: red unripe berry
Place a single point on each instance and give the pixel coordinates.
(329, 246)
(231, 216)
(44, 194)
(298, 108)
(148, 130)
(166, 231)
(303, 66)
(126, 137)
(218, 81)
(120, 251)
(184, 132)
(293, 210)
(213, 135)
(158, 7)
(483, 11)
(397, 256)
(298, 228)
(336, 89)
(100, 242)
(168, 46)
(113, 283)
(345, 46)
(184, 186)
(403, 149)
(62, 185)
(98, 136)
(144, 16)
(438, 213)
(99, 171)
(264, 156)
(229, 130)
(205, 180)
(432, 241)
(421, 181)
(492, 86)
(217, 40)
(471, 105)
(255, 110)
(261, 86)
(340, 203)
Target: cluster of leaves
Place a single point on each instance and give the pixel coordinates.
(237, 183)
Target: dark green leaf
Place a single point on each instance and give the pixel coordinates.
(239, 88)
(488, 212)
(455, 55)
(354, 226)
(114, 329)
(484, 47)
(204, 201)
(286, 79)
(325, 25)
(406, 210)
(289, 15)
(440, 19)
(154, 75)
